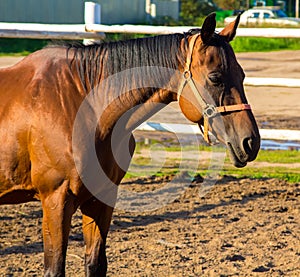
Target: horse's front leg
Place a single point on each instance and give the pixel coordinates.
(58, 208)
(96, 218)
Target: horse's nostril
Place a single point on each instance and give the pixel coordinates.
(251, 147)
(248, 145)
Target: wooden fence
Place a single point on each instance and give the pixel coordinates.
(95, 31)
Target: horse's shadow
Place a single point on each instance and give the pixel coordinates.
(31, 248)
(31, 215)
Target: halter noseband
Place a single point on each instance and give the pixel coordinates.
(209, 110)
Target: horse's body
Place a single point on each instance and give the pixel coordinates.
(39, 101)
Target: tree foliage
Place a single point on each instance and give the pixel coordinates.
(192, 11)
(228, 4)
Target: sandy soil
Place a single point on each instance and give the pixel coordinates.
(242, 227)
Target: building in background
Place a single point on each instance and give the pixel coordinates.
(112, 11)
(72, 12)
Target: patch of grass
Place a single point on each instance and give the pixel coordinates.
(282, 173)
(20, 47)
(173, 146)
(275, 156)
(160, 173)
(123, 36)
(270, 156)
(278, 156)
(255, 44)
(12, 46)
(142, 164)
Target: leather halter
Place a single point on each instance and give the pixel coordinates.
(208, 110)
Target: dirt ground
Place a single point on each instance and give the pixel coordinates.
(240, 227)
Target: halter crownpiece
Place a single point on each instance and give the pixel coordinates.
(208, 110)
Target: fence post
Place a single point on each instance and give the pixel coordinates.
(148, 10)
(92, 15)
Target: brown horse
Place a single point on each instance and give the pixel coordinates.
(59, 99)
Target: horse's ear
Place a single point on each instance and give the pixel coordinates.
(230, 30)
(208, 27)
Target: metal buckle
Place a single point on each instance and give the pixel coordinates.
(187, 74)
(210, 111)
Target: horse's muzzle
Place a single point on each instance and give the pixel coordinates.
(244, 152)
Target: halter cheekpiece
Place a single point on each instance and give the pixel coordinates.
(208, 110)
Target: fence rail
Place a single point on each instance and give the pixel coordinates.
(96, 31)
(47, 31)
(272, 82)
(147, 29)
(266, 134)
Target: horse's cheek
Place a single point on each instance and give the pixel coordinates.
(190, 111)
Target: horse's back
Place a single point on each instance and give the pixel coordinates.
(34, 135)
(17, 81)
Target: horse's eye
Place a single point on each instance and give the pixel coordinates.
(215, 78)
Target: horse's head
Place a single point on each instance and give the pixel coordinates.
(212, 92)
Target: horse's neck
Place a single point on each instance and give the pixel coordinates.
(127, 115)
(128, 96)
(143, 111)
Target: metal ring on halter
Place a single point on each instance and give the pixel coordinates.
(210, 111)
(187, 74)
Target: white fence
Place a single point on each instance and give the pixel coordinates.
(278, 134)
(271, 139)
(272, 82)
(46, 31)
(158, 30)
(92, 29)
(95, 31)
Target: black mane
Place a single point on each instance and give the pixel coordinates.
(108, 58)
(100, 60)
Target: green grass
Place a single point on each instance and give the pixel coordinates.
(161, 173)
(271, 156)
(240, 44)
(21, 47)
(172, 145)
(276, 156)
(281, 171)
(290, 174)
(279, 156)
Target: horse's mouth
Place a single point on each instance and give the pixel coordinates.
(235, 158)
